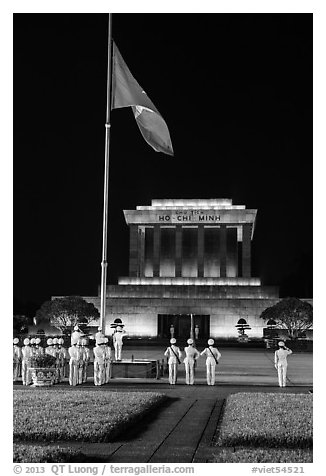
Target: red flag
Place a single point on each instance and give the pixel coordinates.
(127, 92)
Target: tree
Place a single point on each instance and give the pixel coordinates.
(291, 314)
(65, 313)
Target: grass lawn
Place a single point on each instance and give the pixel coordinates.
(263, 455)
(50, 415)
(45, 454)
(267, 420)
(266, 428)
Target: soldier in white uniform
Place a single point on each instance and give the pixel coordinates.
(27, 354)
(99, 334)
(99, 362)
(50, 350)
(63, 356)
(107, 364)
(192, 355)
(17, 357)
(86, 358)
(38, 348)
(32, 344)
(117, 342)
(174, 355)
(75, 336)
(281, 364)
(212, 358)
(74, 353)
(56, 354)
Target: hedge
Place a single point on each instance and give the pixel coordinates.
(78, 415)
(267, 419)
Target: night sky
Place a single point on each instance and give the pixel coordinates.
(236, 93)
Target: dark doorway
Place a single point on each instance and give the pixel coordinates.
(181, 324)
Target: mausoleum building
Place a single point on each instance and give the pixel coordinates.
(189, 257)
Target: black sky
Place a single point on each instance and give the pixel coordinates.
(236, 93)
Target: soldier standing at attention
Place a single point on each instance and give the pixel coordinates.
(17, 357)
(107, 360)
(99, 362)
(86, 359)
(99, 334)
(32, 343)
(212, 358)
(27, 354)
(74, 354)
(62, 355)
(56, 354)
(281, 364)
(38, 348)
(117, 342)
(50, 349)
(192, 355)
(174, 355)
(75, 336)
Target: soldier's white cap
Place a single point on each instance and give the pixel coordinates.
(190, 341)
(281, 343)
(76, 328)
(16, 340)
(60, 341)
(173, 340)
(49, 341)
(37, 340)
(32, 340)
(210, 341)
(26, 341)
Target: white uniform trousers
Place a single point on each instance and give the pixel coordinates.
(80, 372)
(210, 370)
(84, 373)
(26, 375)
(16, 371)
(173, 370)
(73, 372)
(281, 370)
(190, 370)
(118, 349)
(99, 373)
(107, 371)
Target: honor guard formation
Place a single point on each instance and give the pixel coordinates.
(78, 357)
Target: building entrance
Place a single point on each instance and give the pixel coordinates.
(178, 326)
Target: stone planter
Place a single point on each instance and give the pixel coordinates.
(43, 377)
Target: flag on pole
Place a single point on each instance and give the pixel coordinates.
(127, 92)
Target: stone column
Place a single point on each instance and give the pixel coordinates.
(246, 250)
(133, 251)
(156, 251)
(200, 255)
(141, 251)
(178, 251)
(223, 251)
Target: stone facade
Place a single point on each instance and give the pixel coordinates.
(189, 258)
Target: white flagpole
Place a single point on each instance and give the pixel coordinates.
(104, 263)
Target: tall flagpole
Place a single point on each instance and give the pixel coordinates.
(104, 263)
